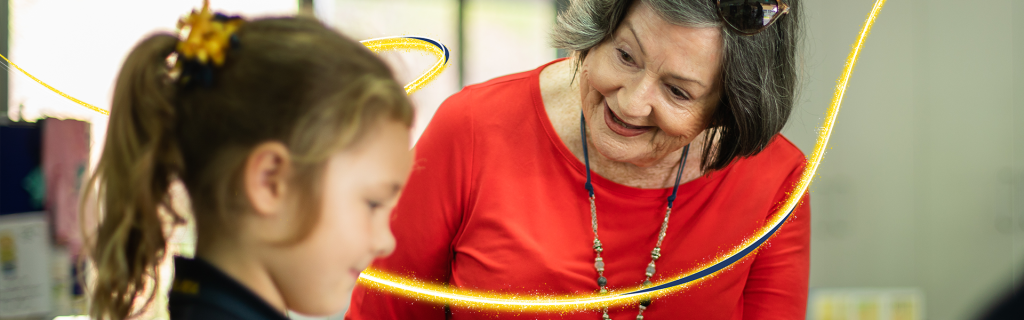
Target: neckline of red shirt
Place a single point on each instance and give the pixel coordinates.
(603, 183)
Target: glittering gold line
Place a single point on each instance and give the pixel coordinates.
(490, 301)
(837, 99)
(420, 291)
(471, 300)
(376, 45)
(94, 108)
(408, 44)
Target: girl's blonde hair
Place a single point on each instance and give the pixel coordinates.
(290, 80)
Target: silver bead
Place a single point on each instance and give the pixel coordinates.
(650, 269)
(656, 253)
(599, 264)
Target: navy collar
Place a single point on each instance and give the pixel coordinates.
(201, 291)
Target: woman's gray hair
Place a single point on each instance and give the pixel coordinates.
(759, 76)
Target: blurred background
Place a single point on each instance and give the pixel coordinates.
(917, 207)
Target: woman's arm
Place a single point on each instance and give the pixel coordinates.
(777, 285)
(427, 216)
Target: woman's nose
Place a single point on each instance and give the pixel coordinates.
(641, 95)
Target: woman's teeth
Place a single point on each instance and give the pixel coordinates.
(623, 123)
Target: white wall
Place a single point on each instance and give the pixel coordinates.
(923, 182)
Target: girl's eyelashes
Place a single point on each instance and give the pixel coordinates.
(373, 205)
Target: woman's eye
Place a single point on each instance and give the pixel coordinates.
(625, 56)
(679, 93)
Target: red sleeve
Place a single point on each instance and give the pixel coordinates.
(777, 285)
(427, 215)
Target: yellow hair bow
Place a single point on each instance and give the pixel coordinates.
(209, 35)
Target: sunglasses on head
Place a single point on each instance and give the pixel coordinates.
(750, 16)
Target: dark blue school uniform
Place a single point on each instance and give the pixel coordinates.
(1011, 307)
(202, 292)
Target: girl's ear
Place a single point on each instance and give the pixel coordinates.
(267, 172)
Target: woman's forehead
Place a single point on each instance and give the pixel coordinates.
(686, 53)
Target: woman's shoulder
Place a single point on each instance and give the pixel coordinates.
(780, 160)
(500, 95)
(781, 148)
(497, 105)
(512, 81)
(514, 88)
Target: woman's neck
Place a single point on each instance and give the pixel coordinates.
(561, 96)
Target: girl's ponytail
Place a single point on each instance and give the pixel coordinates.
(140, 159)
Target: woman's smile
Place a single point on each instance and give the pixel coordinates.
(620, 127)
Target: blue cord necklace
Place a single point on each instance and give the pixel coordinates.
(602, 282)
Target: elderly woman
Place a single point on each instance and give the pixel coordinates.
(652, 151)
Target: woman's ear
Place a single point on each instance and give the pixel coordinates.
(588, 95)
(268, 170)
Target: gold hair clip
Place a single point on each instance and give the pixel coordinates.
(209, 35)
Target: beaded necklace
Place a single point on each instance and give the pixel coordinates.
(655, 254)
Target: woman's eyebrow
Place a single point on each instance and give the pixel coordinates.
(670, 74)
(635, 38)
(681, 78)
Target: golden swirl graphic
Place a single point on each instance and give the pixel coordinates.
(80, 102)
(435, 47)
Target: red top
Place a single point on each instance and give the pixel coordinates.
(496, 203)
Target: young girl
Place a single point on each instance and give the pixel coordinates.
(292, 142)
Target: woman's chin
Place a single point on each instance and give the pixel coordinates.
(632, 150)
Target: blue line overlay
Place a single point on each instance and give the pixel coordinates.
(435, 43)
(718, 266)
